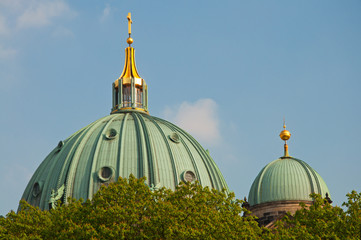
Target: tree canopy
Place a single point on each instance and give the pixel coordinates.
(129, 209)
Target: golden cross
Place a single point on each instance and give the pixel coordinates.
(129, 23)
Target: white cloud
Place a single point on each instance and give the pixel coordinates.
(200, 119)
(17, 15)
(39, 14)
(106, 13)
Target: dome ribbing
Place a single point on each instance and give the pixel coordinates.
(286, 178)
(119, 145)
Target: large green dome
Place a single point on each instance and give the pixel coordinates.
(119, 145)
(129, 141)
(286, 178)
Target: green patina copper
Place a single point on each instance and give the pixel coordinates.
(119, 145)
(129, 141)
(286, 178)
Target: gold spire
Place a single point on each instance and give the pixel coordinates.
(129, 40)
(130, 92)
(285, 135)
(129, 70)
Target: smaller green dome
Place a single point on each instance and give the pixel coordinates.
(286, 178)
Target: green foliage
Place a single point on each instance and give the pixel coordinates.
(128, 209)
(30, 223)
(353, 215)
(323, 221)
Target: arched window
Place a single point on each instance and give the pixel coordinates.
(138, 97)
(127, 96)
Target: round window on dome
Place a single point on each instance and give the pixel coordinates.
(188, 176)
(37, 189)
(174, 137)
(105, 173)
(111, 134)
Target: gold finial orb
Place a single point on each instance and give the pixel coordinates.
(130, 40)
(285, 135)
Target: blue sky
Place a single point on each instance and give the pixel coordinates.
(226, 71)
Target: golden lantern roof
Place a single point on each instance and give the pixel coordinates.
(130, 69)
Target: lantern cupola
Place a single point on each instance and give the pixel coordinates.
(130, 92)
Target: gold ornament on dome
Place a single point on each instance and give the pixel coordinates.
(285, 135)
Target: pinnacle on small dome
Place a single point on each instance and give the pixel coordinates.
(285, 135)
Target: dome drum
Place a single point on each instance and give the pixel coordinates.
(271, 211)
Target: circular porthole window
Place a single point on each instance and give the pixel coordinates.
(111, 133)
(105, 173)
(189, 176)
(174, 137)
(37, 189)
